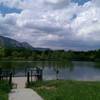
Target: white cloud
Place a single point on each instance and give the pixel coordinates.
(53, 23)
(88, 23)
(96, 2)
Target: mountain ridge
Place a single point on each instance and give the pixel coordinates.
(11, 43)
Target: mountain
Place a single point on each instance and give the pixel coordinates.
(11, 43)
(26, 45)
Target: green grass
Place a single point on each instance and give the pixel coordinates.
(4, 90)
(67, 90)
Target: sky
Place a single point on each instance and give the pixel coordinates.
(55, 24)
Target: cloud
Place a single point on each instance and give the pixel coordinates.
(53, 23)
(87, 24)
(96, 2)
(57, 4)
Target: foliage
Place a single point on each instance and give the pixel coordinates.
(4, 86)
(4, 90)
(22, 54)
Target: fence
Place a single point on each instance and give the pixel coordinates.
(6, 75)
(37, 73)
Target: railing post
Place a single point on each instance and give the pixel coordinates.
(0, 74)
(0, 77)
(39, 74)
(57, 72)
(10, 78)
(28, 78)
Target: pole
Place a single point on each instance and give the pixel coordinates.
(0, 74)
(10, 78)
(28, 78)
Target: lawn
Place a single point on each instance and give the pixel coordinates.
(67, 90)
(4, 90)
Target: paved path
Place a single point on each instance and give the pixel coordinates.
(24, 94)
(20, 82)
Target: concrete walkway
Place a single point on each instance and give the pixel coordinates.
(24, 94)
(20, 82)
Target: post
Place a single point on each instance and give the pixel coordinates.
(28, 78)
(10, 78)
(40, 75)
(57, 72)
(0, 74)
(0, 77)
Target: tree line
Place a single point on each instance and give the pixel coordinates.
(28, 54)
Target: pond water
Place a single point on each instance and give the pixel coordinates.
(52, 70)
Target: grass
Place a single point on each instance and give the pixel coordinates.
(4, 90)
(67, 90)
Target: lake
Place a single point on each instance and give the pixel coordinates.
(52, 70)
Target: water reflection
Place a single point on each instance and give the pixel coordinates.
(32, 64)
(53, 70)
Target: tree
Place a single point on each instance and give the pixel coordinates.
(2, 52)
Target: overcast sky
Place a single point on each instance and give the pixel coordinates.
(57, 24)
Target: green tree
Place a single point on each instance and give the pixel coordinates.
(2, 52)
